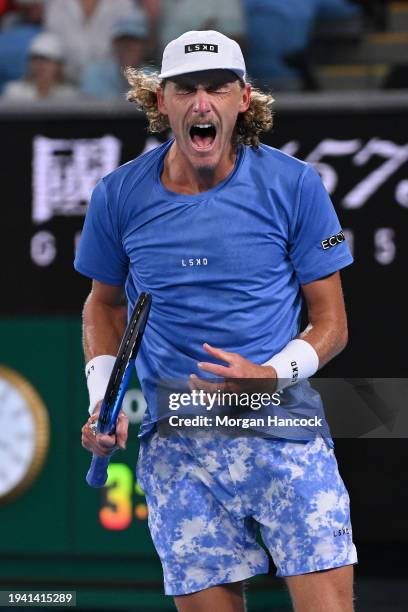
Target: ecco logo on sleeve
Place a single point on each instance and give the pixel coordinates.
(201, 47)
(328, 243)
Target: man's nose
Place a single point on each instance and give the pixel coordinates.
(201, 102)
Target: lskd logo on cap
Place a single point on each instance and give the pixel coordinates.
(201, 47)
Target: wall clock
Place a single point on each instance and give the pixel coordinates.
(24, 434)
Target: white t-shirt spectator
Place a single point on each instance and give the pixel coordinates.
(84, 40)
(25, 91)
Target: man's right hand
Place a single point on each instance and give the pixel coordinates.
(104, 445)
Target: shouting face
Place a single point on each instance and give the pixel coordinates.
(202, 108)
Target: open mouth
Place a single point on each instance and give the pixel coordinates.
(203, 135)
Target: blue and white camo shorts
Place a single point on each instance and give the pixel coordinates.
(207, 493)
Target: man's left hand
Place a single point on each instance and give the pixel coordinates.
(238, 367)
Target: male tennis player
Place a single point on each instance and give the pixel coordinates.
(227, 235)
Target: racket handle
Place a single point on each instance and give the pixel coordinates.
(98, 471)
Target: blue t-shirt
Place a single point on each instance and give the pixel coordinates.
(224, 266)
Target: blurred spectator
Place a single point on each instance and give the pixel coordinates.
(19, 29)
(84, 28)
(44, 77)
(5, 5)
(178, 16)
(104, 79)
(152, 10)
(282, 29)
(22, 11)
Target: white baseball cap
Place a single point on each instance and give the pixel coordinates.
(47, 45)
(202, 50)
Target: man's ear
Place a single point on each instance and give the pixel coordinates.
(246, 99)
(160, 101)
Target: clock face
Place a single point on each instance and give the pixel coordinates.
(24, 432)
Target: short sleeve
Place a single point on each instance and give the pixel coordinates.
(100, 254)
(317, 244)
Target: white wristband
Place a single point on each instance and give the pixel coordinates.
(297, 360)
(97, 372)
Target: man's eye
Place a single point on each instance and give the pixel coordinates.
(184, 90)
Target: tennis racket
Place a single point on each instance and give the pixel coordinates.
(117, 385)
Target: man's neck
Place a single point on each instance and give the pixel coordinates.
(88, 8)
(181, 177)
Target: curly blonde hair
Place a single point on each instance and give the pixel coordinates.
(250, 124)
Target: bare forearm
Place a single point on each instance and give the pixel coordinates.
(327, 328)
(104, 321)
(327, 337)
(103, 327)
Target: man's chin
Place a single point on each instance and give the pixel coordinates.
(206, 171)
(205, 164)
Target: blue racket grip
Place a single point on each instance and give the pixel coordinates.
(98, 471)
